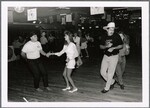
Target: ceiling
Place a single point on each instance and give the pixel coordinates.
(48, 11)
(51, 11)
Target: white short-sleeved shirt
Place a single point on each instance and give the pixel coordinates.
(70, 50)
(32, 49)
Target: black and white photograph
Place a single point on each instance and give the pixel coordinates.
(74, 54)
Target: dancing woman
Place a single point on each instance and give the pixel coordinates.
(71, 52)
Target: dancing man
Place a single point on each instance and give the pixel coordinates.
(111, 44)
(32, 50)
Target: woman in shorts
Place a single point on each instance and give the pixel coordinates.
(71, 52)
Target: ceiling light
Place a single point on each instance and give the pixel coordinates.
(96, 26)
(63, 14)
(34, 22)
(63, 8)
(19, 9)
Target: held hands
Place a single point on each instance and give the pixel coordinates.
(49, 54)
(67, 60)
(109, 45)
(111, 49)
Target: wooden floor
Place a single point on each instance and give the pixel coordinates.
(87, 78)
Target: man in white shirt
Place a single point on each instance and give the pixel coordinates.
(32, 50)
(44, 41)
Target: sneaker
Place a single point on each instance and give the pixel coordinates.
(104, 91)
(77, 66)
(39, 90)
(48, 89)
(73, 90)
(65, 89)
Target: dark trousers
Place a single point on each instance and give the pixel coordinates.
(120, 69)
(38, 71)
(45, 48)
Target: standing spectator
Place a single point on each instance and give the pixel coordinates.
(90, 40)
(71, 52)
(122, 59)
(90, 44)
(84, 46)
(76, 39)
(18, 44)
(51, 43)
(44, 41)
(31, 50)
(111, 44)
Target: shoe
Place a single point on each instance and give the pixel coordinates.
(104, 91)
(77, 66)
(122, 86)
(65, 89)
(48, 89)
(39, 90)
(112, 86)
(73, 90)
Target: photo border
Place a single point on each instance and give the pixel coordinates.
(145, 52)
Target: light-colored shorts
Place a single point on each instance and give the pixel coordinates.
(71, 64)
(83, 45)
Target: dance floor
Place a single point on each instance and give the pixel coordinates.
(87, 78)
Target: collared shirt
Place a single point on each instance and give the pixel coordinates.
(32, 49)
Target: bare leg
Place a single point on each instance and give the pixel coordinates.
(69, 71)
(65, 76)
(79, 61)
(87, 54)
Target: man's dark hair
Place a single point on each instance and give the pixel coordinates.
(32, 33)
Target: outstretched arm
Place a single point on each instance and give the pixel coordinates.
(42, 52)
(61, 52)
(23, 54)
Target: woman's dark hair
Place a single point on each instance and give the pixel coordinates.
(120, 32)
(70, 35)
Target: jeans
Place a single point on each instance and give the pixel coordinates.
(120, 69)
(38, 71)
(108, 67)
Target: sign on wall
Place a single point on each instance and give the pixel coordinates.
(32, 14)
(68, 18)
(96, 10)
